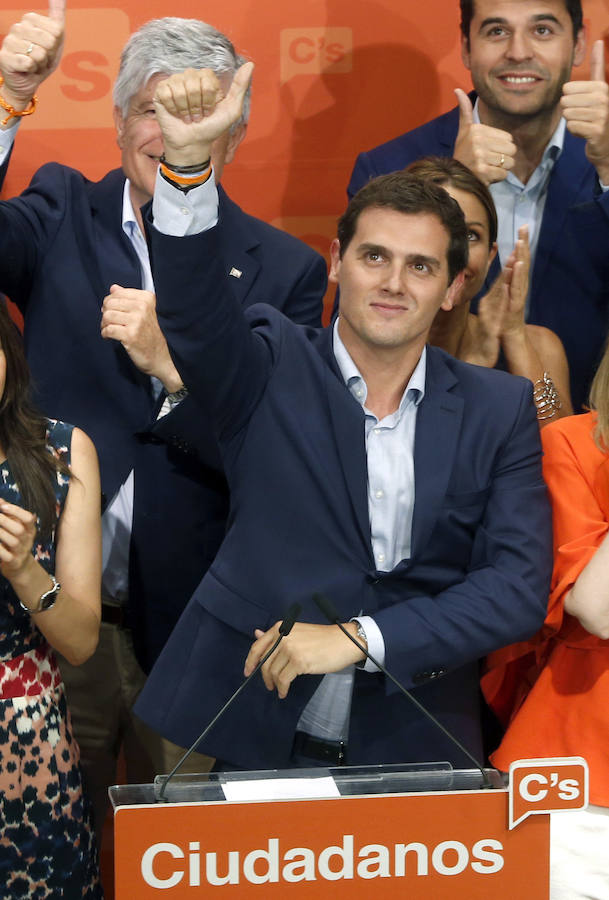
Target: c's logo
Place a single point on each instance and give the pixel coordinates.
(311, 51)
(79, 93)
(547, 785)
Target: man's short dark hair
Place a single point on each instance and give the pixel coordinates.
(573, 7)
(408, 194)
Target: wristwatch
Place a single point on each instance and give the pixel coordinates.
(361, 636)
(46, 601)
(177, 396)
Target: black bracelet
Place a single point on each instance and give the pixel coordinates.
(179, 187)
(186, 170)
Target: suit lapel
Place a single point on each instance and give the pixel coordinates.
(437, 432)
(568, 174)
(449, 129)
(238, 242)
(347, 418)
(113, 259)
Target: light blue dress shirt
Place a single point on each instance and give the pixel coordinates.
(523, 204)
(391, 489)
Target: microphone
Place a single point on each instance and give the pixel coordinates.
(325, 605)
(284, 629)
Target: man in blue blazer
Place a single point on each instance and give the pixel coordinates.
(63, 243)
(542, 144)
(400, 482)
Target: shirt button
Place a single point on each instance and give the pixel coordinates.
(359, 393)
(379, 494)
(184, 210)
(381, 557)
(377, 430)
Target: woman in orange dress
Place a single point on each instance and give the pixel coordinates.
(553, 691)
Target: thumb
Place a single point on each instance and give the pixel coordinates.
(466, 110)
(57, 10)
(241, 82)
(597, 61)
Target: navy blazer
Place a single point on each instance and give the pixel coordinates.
(61, 247)
(293, 444)
(570, 279)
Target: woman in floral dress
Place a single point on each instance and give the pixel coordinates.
(49, 598)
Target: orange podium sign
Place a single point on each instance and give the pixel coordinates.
(453, 844)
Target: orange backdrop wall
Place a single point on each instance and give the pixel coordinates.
(333, 77)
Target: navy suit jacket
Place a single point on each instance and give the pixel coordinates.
(570, 278)
(61, 247)
(293, 444)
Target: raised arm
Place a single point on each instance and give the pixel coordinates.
(192, 112)
(585, 106)
(30, 52)
(71, 626)
(209, 339)
(489, 152)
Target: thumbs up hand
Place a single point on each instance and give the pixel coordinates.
(489, 152)
(585, 106)
(30, 52)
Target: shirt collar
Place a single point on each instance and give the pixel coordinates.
(413, 392)
(129, 220)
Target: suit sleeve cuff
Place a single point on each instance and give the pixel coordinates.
(376, 643)
(7, 139)
(179, 214)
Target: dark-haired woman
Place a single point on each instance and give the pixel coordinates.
(498, 333)
(49, 598)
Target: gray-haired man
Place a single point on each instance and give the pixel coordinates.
(64, 245)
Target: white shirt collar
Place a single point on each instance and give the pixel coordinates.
(129, 220)
(356, 384)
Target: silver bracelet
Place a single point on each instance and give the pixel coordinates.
(545, 397)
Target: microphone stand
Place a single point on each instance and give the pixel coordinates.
(284, 629)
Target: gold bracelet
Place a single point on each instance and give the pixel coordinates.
(15, 113)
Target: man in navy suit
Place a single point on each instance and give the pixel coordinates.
(64, 245)
(542, 144)
(400, 482)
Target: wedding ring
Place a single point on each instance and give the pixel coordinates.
(29, 50)
(502, 160)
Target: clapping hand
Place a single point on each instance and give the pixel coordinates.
(17, 533)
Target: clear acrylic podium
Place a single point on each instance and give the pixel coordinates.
(416, 831)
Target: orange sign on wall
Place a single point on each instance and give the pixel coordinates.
(311, 51)
(333, 78)
(437, 846)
